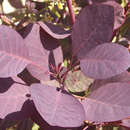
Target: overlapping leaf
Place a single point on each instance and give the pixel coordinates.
(13, 52)
(54, 30)
(13, 99)
(93, 26)
(119, 17)
(36, 117)
(123, 77)
(108, 103)
(56, 107)
(43, 51)
(105, 61)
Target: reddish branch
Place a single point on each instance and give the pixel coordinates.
(69, 4)
(5, 19)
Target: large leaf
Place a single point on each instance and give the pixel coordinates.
(93, 26)
(119, 17)
(14, 99)
(43, 51)
(108, 103)
(54, 30)
(77, 82)
(123, 77)
(105, 61)
(13, 52)
(36, 117)
(56, 107)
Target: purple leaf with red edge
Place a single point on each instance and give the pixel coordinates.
(119, 17)
(94, 26)
(54, 30)
(105, 61)
(56, 107)
(14, 101)
(123, 77)
(43, 51)
(13, 52)
(108, 103)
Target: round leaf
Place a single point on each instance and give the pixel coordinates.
(56, 107)
(105, 61)
(93, 26)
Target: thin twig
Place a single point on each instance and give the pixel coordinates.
(69, 4)
(6, 20)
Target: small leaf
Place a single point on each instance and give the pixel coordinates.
(77, 82)
(13, 52)
(93, 26)
(56, 107)
(54, 30)
(108, 103)
(105, 61)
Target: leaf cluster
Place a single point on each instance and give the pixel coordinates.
(91, 89)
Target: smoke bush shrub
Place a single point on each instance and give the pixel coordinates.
(98, 67)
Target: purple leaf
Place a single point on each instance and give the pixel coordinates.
(56, 107)
(13, 52)
(14, 100)
(108, 103)
(94, 26)
(125, 122)
(77, 82)
(123, 77)
(105, 61)
(16, 4)
(119, 17)
(54, 30)
(43, 51)
(36, 117)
